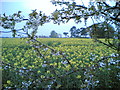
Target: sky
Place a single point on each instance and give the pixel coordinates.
(26, 6)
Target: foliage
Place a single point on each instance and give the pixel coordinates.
(66, 65)
(78, 32)
(53, 34)
(84, 31)
(73, 31)
(102, 30)
(65, 33)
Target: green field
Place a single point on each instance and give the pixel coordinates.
(24, 68)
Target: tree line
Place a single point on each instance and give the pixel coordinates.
(102, 30)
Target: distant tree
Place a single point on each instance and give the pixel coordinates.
(53, 34)
(66, 34)
(83, 32)
(102, 30)
(73, 31)
(78, 32)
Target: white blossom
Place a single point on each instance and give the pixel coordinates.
(113, 54)
(97, 81)
(56, 54)
(49, 86)
(27, 42)
(64, 62)
(86, 80)
(118, 67)
(45, 49)
(44, 65)
(102, 64)
(44, 61)
(35, 51)
(32, 40)
(37, 46)
(109, 69)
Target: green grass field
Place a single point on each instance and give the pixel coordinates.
(23, 68)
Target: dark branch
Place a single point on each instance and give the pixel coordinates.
(107, 44)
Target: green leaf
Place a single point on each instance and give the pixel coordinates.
(8, 82)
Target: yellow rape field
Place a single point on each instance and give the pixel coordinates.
(20, 61)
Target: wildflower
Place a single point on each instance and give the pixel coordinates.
(44, 65)
(102, 64)
(44, 61)
(64, 62)
(35, 51)
(27, 42)
(97, 81)
(37, 47)
(49, 86)
(109, 69)
(32, 40)
(113, 54)
(86, 80)
(56, 54)
(45, 48)
(118, 67)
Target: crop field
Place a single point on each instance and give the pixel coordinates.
(24, 68)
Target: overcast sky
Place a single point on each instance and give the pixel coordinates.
(12, 6)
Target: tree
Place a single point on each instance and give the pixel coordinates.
(84, 32)
(90, 74)
(53, 34)
(66, 34)
(72, 31)
(76, 33)
(102, 30)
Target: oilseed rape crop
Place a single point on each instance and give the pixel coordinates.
(77, 63)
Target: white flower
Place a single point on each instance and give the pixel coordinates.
(45, 49)
(56, 54)
(85, 73)
(52, 82)
(49, 86)
(44, 61)
(32, 40)
(91, 76)
(113, 55)
(37, 47)
(109, 69)
(27, 42)
(112, 62)
(35, 51)
(44, 65)
(63, 53)
(64, 62)
(22, 71)
(97, 81)
(86, 80)
(102, 64)
(118, 67)
(118, 61)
